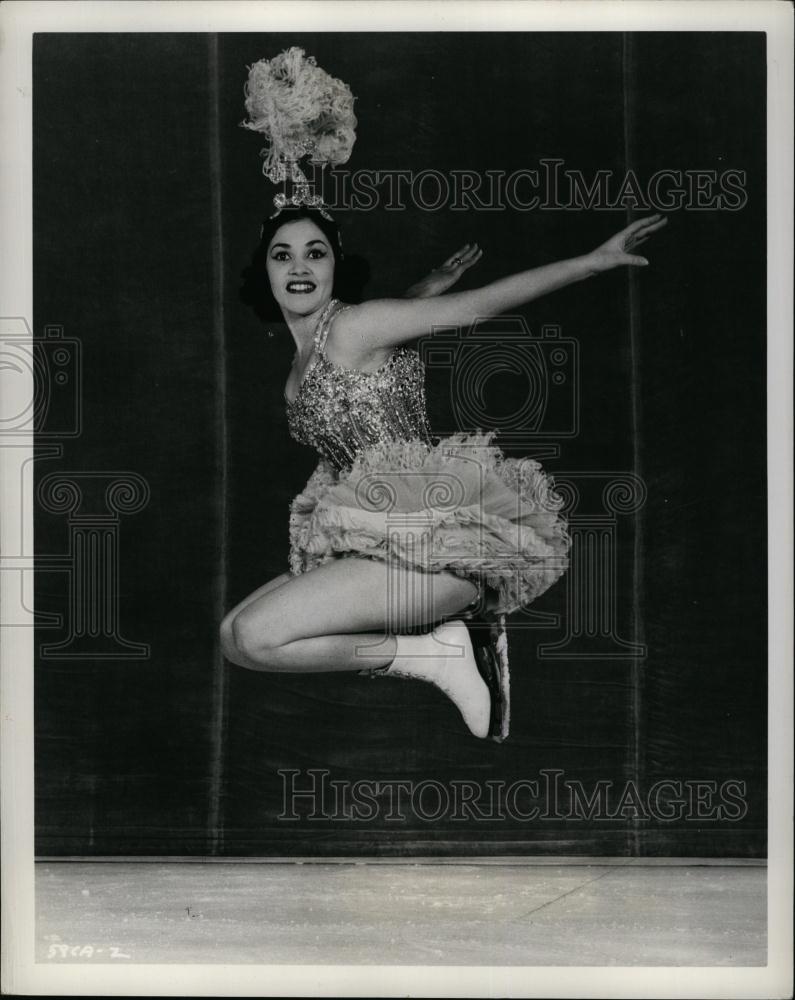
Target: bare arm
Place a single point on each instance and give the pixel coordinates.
(384, 323)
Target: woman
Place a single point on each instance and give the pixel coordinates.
(372, 555)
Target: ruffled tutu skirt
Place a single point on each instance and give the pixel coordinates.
(459, 505)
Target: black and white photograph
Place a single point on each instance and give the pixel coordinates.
(397, 499)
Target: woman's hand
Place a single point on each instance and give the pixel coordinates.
(617, 250)
(444, 277)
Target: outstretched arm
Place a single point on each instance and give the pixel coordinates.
(384, 323)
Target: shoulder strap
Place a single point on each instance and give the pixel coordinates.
(324, 323)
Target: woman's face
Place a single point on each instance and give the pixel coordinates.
(300, 267)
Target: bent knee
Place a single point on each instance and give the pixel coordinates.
(227, 638)
(254, 638)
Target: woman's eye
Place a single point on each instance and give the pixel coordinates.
(280, 255)
(317, 254)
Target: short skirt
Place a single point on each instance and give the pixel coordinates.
(459, 505)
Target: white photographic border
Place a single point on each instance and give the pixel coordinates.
(20, 973)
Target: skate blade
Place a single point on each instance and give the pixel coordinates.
(493, 669)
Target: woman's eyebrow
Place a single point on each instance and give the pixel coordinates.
(288, 245)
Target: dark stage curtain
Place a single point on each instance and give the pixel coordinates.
(165, 500)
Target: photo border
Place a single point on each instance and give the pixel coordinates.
(19, 20)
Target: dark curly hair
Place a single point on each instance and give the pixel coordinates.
(350, 273)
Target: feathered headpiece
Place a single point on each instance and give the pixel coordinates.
(303, 112)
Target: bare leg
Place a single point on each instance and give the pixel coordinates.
(227, 637)
(350, 614)
(341, 616)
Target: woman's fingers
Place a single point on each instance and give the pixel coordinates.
(647, 220)
(653, 227)
(639, 232)
(464, 257)
(455, 259)
(649, 225)
(467, 263)
(468, 253)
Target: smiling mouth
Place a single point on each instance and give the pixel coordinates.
(301, 287)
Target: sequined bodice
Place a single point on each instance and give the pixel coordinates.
(340, 411)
